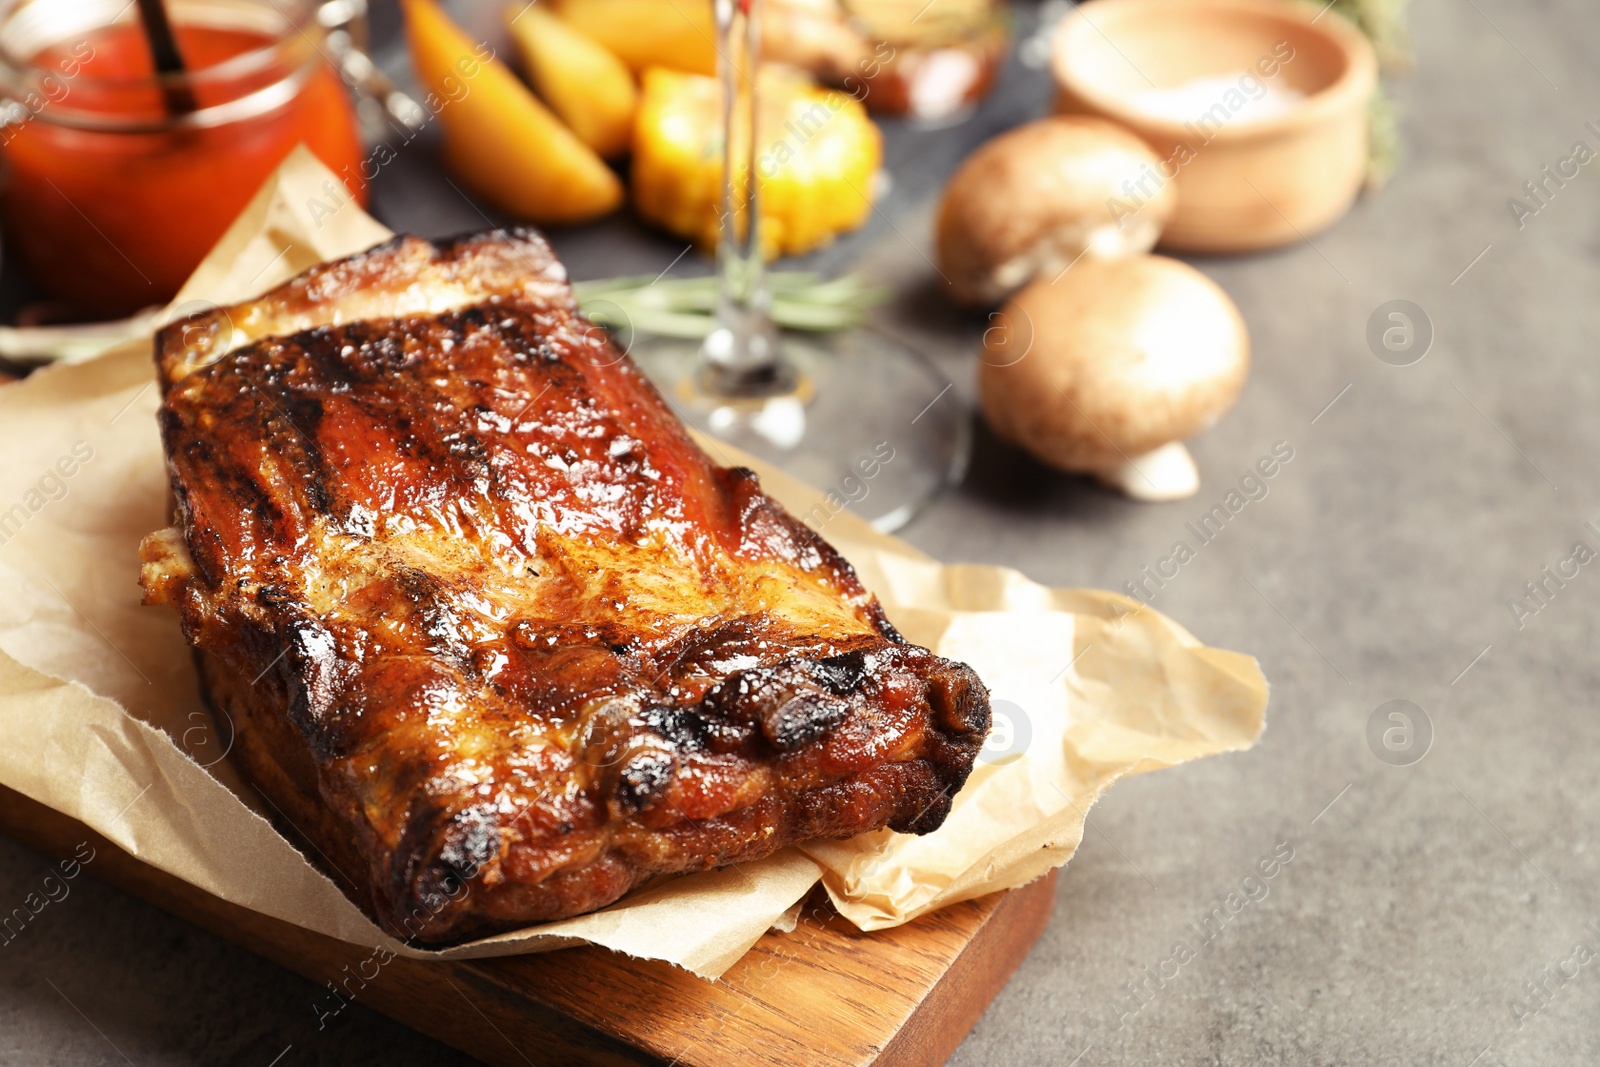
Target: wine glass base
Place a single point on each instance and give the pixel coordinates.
(858, 415)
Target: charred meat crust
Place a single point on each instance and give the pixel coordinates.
(497, 637)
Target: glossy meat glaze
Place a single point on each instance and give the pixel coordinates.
(498, 640)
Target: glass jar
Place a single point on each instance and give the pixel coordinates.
(116, 181)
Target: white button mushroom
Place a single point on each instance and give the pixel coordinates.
(1033, 200)
(1107, 370)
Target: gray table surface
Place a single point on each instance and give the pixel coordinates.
(1420, 899)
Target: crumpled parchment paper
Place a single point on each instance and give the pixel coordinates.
(100, 714)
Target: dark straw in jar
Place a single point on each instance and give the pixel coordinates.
(166, 57)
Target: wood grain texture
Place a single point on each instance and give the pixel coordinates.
(825, 994)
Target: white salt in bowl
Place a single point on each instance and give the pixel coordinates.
(1256, 108)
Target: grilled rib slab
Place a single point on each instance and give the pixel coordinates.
(499, 642)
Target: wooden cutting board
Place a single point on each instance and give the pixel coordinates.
(825, 994)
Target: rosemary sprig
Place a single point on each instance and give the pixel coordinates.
(686, 307)
(671, 307)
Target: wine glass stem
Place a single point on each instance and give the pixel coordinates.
(742, 352)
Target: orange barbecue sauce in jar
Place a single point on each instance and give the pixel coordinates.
(116, 183)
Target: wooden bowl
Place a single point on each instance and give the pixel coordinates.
(1243, 182)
